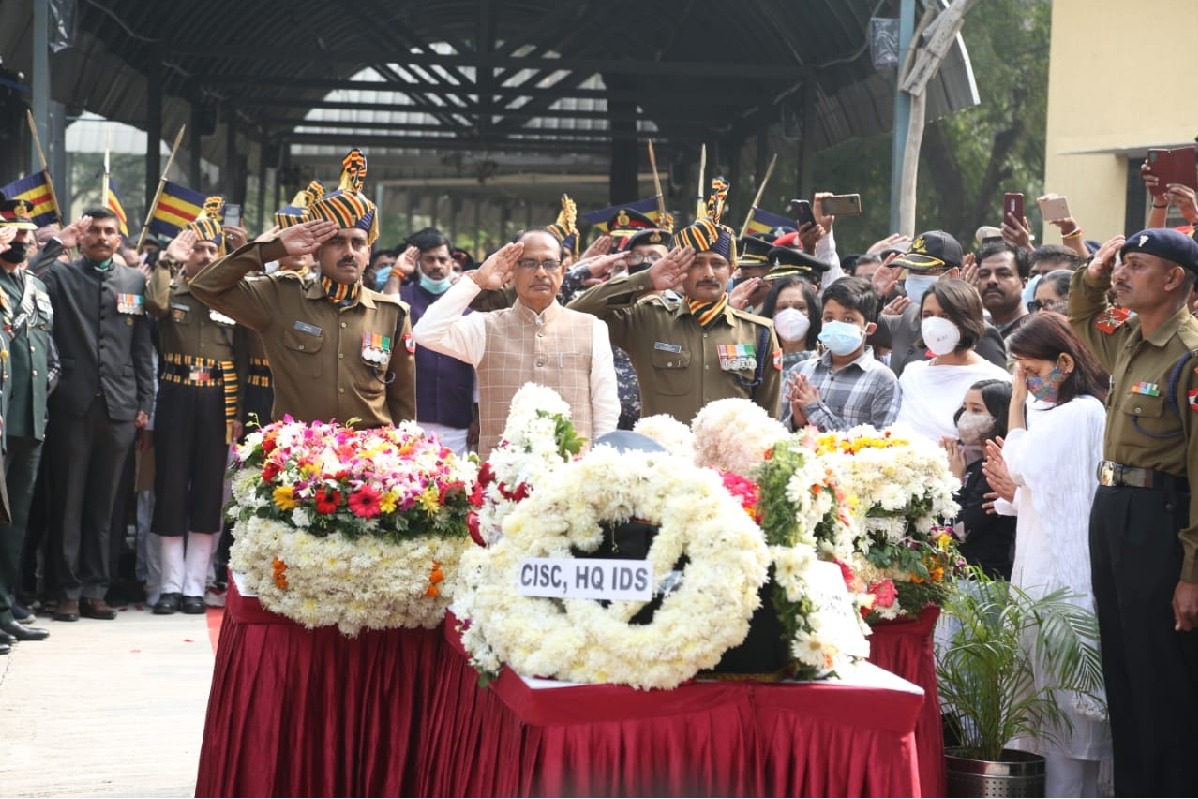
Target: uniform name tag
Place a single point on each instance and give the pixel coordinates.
(304, 327)
(736, 357)
(658, 345)
(181, 306)
(221, 319)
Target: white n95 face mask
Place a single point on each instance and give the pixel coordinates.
(791, 324)
(941, 335)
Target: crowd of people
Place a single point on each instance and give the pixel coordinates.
(1056, 377)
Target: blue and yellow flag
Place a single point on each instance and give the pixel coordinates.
(178, 206)
(765, 221)
(600, 218)
(36, 191)
(114, 204)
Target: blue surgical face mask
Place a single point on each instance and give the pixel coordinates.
(435, 286)
(380, 277)
(918, 285)
(841, 338)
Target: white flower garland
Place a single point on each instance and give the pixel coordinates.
(352, 583)
(672, 434)
(734, 435)
(578, 639)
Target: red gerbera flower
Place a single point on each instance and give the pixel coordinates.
(327, 500)
(270, 471)
(364, 503)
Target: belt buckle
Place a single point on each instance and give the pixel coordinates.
(1107, 472)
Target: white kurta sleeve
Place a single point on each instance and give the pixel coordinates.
(605, 397)
(444, 329)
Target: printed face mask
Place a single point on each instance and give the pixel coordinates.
(1046, 387)
(941, 335)
(791, 324)
(841, 337)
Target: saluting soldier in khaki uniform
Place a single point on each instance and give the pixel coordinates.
(698, 350)
(197, 414)
(1144, 525)
(337, 349)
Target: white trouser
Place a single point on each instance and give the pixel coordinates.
(200, 549)
(185, 573)
(171, 562)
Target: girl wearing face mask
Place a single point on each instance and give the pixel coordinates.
(794, 306)
(1053, 457)
(933, 390)
(987, 540)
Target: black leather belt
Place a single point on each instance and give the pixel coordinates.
(1116, 474)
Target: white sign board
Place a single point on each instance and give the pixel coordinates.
(582, 578)
(826, 589)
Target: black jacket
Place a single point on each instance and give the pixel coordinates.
(103, 342)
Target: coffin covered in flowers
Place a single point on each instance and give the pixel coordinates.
(354, 528)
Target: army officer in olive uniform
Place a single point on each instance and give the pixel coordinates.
(1144, 523)
(337, 349)
(32, 368)
(691, 352)
(197, 416)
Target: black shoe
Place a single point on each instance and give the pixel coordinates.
(20, 632)
(193, 604)
(5, 649)
(167, 604)
(22, 615)
(7, 639)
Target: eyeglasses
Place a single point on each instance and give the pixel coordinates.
(529, 265)
(1047, 305)
(644, 258)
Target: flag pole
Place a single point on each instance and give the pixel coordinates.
(145, 226)
(700, 198)
(760, 191)
(661, 199)
(41, 157)
(107, 166)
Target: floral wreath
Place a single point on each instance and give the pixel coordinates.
(580, 640)
(357, 528)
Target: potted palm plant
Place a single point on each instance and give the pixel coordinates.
(1000, 678)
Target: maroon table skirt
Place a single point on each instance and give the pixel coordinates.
(299, 712)
(700, 739)
(905, 648)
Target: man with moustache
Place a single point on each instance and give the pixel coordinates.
(32, 370)
(1002, 275)
(691, 352)
(337, 349)
(444, 385)
(198, 414)
(536, 340)
(104, 395)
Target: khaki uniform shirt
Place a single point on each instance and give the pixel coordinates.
(1146, 427)
(682, 367)
(320, 355)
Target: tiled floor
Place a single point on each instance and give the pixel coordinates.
(106, 708)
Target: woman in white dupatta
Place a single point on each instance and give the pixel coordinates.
(1054, 461)
(951, 328)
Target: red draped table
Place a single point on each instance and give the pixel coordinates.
(299, 712)
(523, 738)
(905, 648)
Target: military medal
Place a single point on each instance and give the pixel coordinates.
(1111, 320)
(376, 348)
(1146, 388)
(130, 304)
(735, 357)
